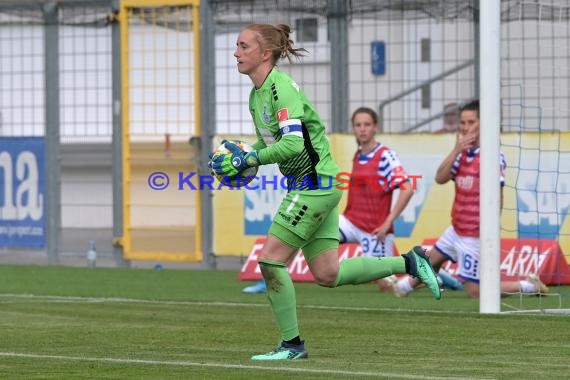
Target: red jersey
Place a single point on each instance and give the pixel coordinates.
(465, 211)
(368, 207)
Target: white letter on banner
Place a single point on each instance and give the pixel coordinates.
(8, 212)
(30, 185)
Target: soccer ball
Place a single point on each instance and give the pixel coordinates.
(242, 178)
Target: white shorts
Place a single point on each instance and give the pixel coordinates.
(463, 250)
(369, 243)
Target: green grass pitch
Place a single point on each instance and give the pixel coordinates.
(77, 323)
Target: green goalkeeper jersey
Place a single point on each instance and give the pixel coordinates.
(291, 133)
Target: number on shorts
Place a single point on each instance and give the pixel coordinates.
(467, 262)
(372, 247)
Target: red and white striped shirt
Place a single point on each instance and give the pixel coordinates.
(465, 211)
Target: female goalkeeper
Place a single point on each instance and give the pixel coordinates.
(291, 133)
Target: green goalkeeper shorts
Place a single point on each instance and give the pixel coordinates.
(308, 220)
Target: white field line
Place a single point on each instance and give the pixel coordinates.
(227, 366)
(73, 299)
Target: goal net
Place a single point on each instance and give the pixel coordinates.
(535, 116)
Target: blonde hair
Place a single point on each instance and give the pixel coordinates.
(276, 38)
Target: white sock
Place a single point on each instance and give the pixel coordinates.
(527, 287)
(404, 285)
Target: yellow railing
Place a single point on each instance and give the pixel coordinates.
(157, 107)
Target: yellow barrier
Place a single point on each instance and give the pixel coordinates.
(160, 79)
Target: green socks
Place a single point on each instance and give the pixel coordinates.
(361, 270)
(281, 291)
(281, 295)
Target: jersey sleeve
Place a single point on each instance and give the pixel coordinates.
(456, 164)
(259, 144)
(392, 170)
(284, 149)
(289, 108)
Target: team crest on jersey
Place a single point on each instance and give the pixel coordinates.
(265, 115)
(283, 114)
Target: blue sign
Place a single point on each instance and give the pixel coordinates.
(378, 57)
(22, 189)
(261, 204)
(426, 165)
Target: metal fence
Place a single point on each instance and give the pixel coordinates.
(60, 80)
(407, 59)
(55, 80)
(361, 53)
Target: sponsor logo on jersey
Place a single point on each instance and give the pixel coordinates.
(464, 182)
(283, 114)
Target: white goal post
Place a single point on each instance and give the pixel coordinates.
(490, 108)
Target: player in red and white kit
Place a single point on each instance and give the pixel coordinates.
(460, 241)
(369, 216)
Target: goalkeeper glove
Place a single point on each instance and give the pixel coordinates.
(234, 163)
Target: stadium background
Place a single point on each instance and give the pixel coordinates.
(117, 90)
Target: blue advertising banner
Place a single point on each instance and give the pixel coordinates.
(22, 189)
(262, 203)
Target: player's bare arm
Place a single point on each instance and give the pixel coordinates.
(464, 141)
(404, 196)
